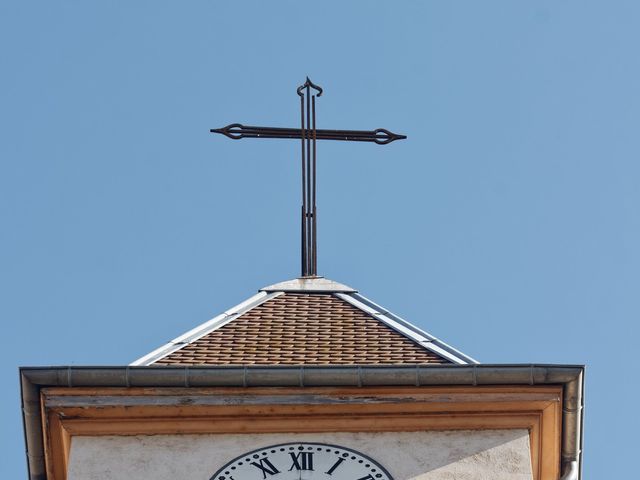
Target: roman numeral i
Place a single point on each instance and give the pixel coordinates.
(335, 465)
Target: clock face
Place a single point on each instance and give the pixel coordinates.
(302, 461)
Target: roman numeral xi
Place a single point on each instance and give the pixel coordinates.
(266, 467)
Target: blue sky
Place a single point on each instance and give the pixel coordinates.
(506, 224)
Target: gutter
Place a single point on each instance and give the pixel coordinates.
(569, 376)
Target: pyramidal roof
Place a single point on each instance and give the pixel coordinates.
(305, 321)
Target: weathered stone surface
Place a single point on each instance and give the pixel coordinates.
(459, 455)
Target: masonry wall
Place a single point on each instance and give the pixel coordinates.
(459, 455)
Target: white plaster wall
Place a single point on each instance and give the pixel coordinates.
(459, 455)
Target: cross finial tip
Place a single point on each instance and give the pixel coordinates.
(309, 83)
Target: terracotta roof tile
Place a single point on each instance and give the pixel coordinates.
(304, 328)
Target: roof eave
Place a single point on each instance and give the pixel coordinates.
(34, 378)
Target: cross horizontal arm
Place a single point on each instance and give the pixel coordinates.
(237, 131)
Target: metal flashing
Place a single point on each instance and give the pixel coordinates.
(418, 331)
(405, 328)
(204, 328)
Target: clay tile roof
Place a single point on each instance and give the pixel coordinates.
(304, 322)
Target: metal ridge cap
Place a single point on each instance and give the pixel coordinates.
(407, 329)
(309, 285)
(203, 329)
(415, 330)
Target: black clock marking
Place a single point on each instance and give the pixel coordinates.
(302, 460)
(334, 466)
(368, 477)
(266, 466)
(299, 461)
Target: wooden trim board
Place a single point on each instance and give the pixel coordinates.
(71, 412)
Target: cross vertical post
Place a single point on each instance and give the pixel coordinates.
(309, 242)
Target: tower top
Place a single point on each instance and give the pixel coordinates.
(306, 321)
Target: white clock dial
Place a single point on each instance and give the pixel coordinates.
(302, 461)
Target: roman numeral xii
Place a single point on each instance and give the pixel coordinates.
(302, 460)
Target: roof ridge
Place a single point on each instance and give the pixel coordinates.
(308, 285)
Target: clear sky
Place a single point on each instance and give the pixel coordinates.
(507, 224)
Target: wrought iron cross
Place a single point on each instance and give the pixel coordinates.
(308, 134)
